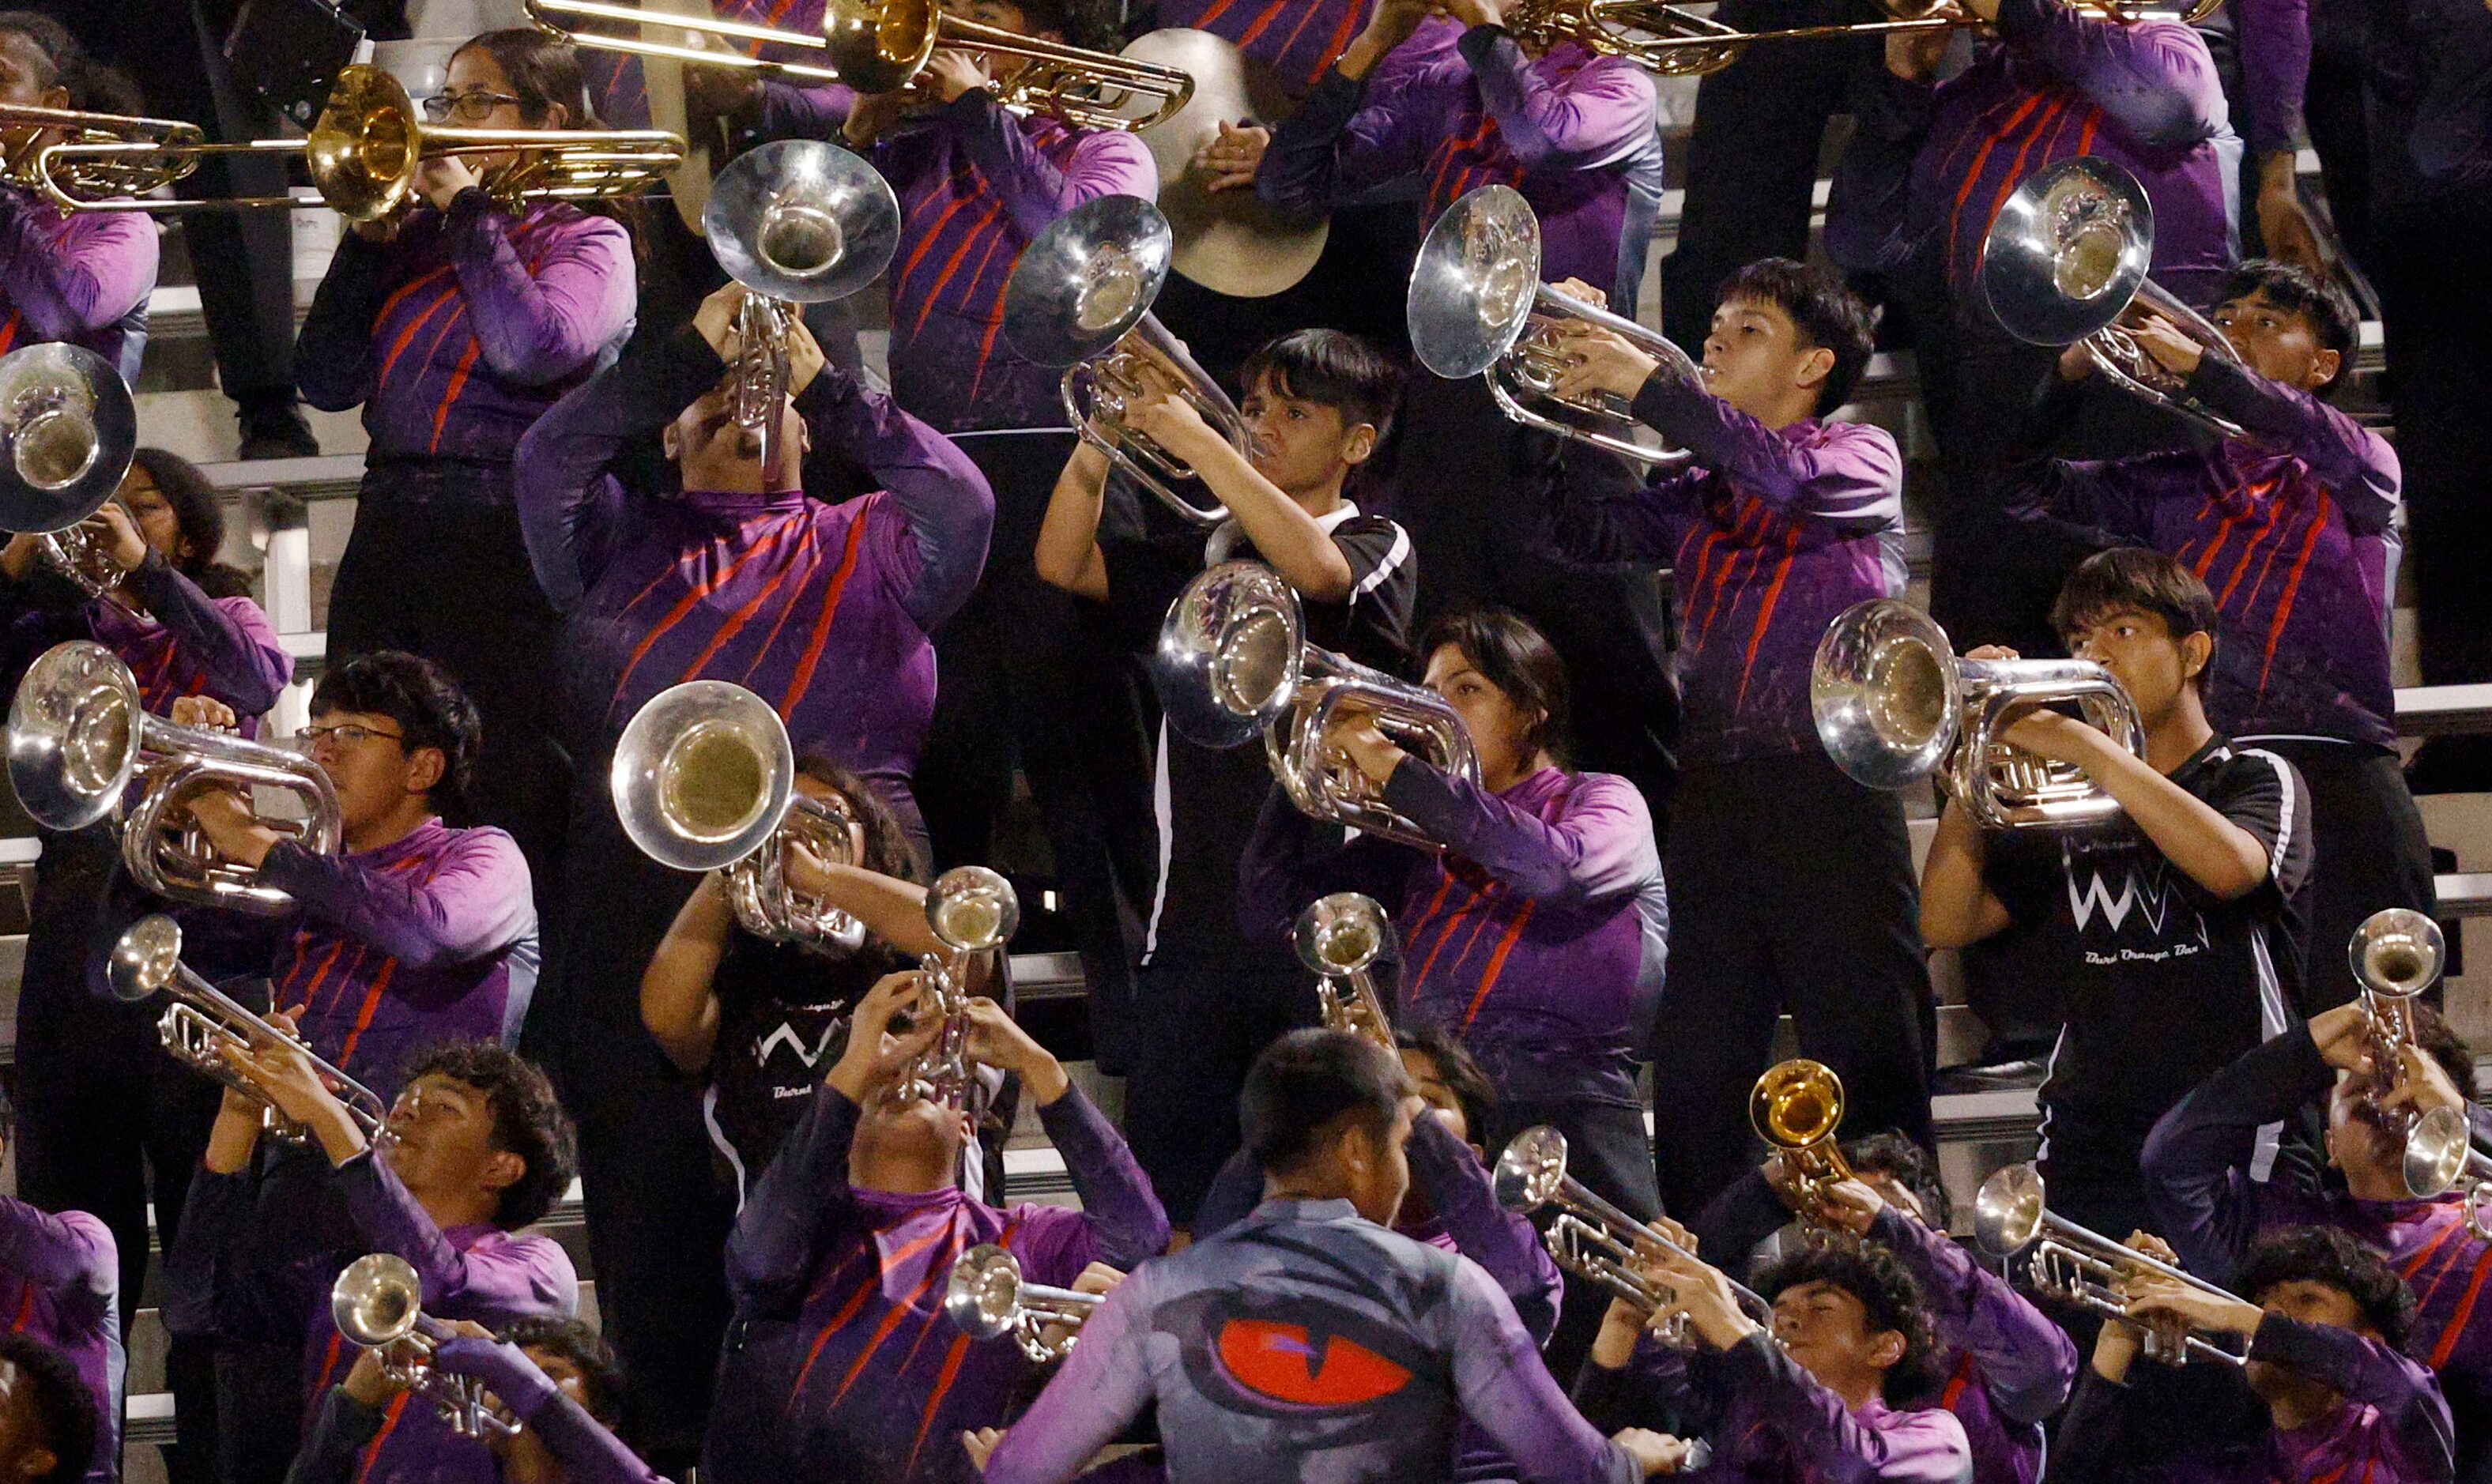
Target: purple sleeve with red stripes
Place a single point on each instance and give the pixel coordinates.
(497, 1276)
(1591, 118)
(542, 321)
(476, 903)
(945, 502)
(1035, 188)
(2027, 1362)
(2355, 464)
(1599, 846)
(228, 642)
(69, 276)
(2155, 80)
(1853, 478)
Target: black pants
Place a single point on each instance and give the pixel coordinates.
(436, 567)
(2339, 131)
(1605, 1148)
(2368, 852)
(1199, 1026)
(1790, 889)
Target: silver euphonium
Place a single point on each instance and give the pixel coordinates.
(1893, 704)
(69, 427)
(796, 222)
(2065, 261)
(1340, 937)
(78, 737)
(1233, 661)
(1081, 297)
(988, 1299)
(973, 912)
(378, 1304)
(2011, 1216)
(704, 779)
(1477, 307)
(202, 1022)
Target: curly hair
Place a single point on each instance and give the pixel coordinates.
(424, 698)
(1909, 1165)
(2331, 1256)
(1885, 1287)
(202, 516)
(66, 1415)
(601, 1379)
(528, 1121)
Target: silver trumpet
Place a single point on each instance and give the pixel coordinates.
(69, 427)
(1893, 704)
(704, 779)
(2084, 1267)
(1081, 297)
(973, 912)
(1233, 660)
(1478, 307)
(1340, 937)
(1591, 1237)
(796, 222)
(202, 1022)
(2441, 1156)
(2397, 955)
(79, 738)
(379, 1303)
(987, 1297)
(2065, 262)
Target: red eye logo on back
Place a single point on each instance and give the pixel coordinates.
(1279, 1361)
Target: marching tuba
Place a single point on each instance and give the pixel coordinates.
(1233, 660)
(1797, 1108)
(1340, 937)
(378, 1304)
(1081, 297)
(2067, 1260)
(2065, 262)
(1478, 308)
(973, 912)
(1893, 704)
(988, 1299)
(79, 738)
(69, 428)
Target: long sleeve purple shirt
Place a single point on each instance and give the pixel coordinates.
(1769, 535)
(2011, 1366)
(2294, 530)
(1570, 129)
(1297, 41)
(790, 109)
(2274, 41)
(883, 1384)
(1931, 167)
(431, 937)
(826, 610)
(188, 643)
(79, 277)
(462, 331)
(1307, 1342)
(976, 184)
(60, 1280)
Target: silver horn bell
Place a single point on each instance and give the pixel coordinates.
(1341, 936)
(377, 1303)
(69, 427)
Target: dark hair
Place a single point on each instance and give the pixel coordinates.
(202, 515)
(425, 701)
(1517, 659)
(1455, 1068)
(1827, 315)
(600, 1377)
(2440, 1044)
(1909, 1165)
(1331, 369)
(92, 86)
(542, 70)
(528, 1121)
(888, 848)
(2330, 1255)
(1308, 1079)
(66, 1415)
(2136, 578)
(7, 1117)
(2323, 305)
(1884, 1285)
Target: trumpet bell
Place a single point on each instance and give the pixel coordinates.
(2438, 1149)
(972, 909)
(1230, 654)
(1339, 934)
(1531, 1169)
(1475, 283)
(1797, 1104)
(702, 775)
(2397, 953)
(75, 731)
(2069, 251)
(2007, 1210)
(145, 958)
(1884, 692)
(1087, 279)
(69, 427)
(983, 1295)
(801, 220)
(377, 1300)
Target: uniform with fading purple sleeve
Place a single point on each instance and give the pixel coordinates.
(60, 1280)
(803, 108)
(976, 184)
(240, 1273)
(2009, 1366)
(186, 643)
(1305, 1344)
(1570, 129)
(79, 277)
(2391, 1427)
(582, 1445)
(1297, 40)
(2198, 1180)
(847, 1367)
(2273, 37)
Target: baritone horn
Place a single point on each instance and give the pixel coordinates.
(1341, 936)
(1797, 1108)
(71, 428)
(378, 1304)
(78, 737)
(1893, 704)
(1081, 297)
(1233, 660)
(2066, 263)
(2011, 1216)
(1478, 308)
(973, 912)
(988, 1299)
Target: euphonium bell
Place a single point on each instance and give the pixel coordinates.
(377, 1303)
(973, 912)
(1893, 704)
(987, 1297)
(69, 428)
(2011, 1215)
(1341, 936)
(1797, 1108)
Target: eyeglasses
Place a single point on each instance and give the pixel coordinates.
(473, 107)
(347, 733)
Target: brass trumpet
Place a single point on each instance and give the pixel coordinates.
(1677, 43)
(1797, 1108)
(378, 1304)
(1340, 937)
(2011, 1216)
(69, 428)
(973, 912)
(986, 1298)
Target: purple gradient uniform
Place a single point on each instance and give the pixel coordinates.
(790, 109)
(188, 644)
(2009, 1366)
(1297, 40)
(79, 277)
(60, 1280)
(2274, 41)
(586, 1451)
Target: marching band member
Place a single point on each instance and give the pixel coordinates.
(826, 610)
(1318, 403)
(2178, 933)
(81, 277)
(59, 1280)
(2294, 527)
(2199, 1179)
(842, 1364)
(456, 325)
(2324, 1320)
(1225, 1335)
(48, 1421)
(1783, 521)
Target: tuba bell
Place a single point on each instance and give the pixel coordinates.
(2011, 1216)
(78, 737)
(988, 1299)
(1233, 660)
(1081, 297)
(1797, 1108)
(973, 912)
(1478, 308)
(1341, 936)
(69, 428)
(1893, 704)
(2065, 262)
(377, 1303)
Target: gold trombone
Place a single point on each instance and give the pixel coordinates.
(363, 155)
(27, 130)
(1675, 42)
(881, 45)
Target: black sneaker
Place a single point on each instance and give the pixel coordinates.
(1992, 1076)
(276, 432)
